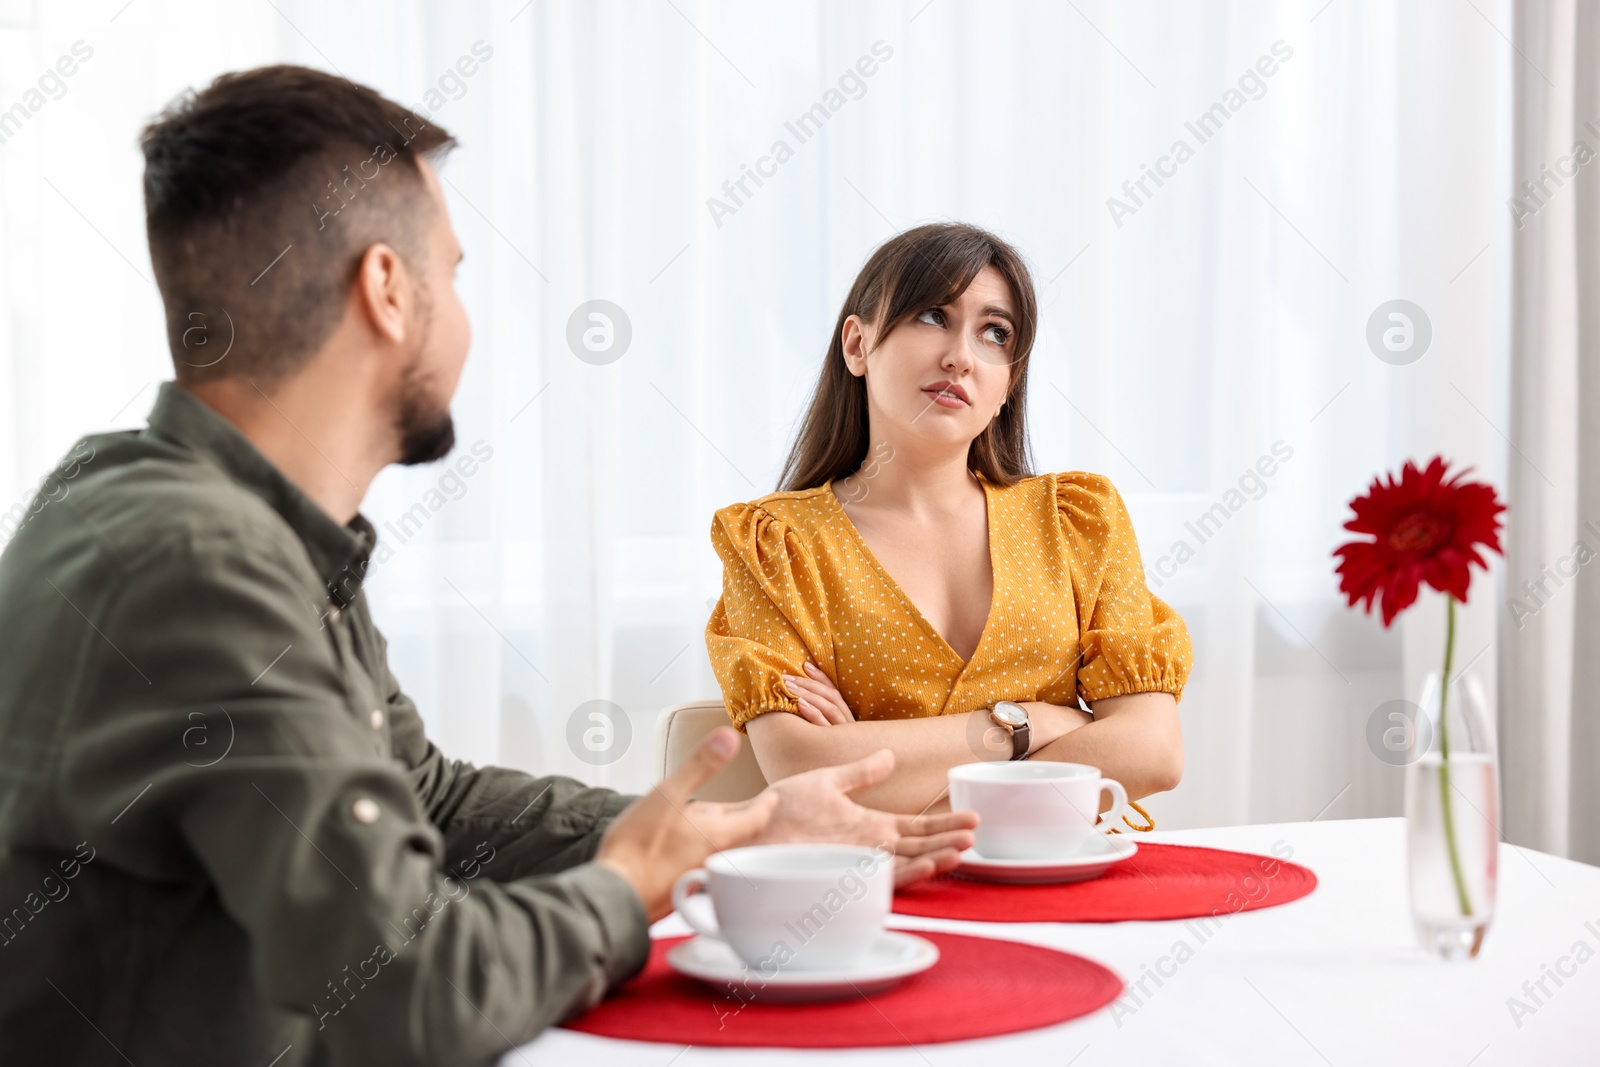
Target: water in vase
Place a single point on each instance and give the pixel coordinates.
(1452, 897)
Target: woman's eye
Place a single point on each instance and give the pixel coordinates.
(933, 317)
(997, 334)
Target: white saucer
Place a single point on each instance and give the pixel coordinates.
(892, 957)
(1092, 862)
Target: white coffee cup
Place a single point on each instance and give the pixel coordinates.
(1034, 810)
(792, 907)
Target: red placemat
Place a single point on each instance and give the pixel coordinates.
(979, 988)
(1159, 882)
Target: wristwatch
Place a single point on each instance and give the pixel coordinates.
(1013, 719)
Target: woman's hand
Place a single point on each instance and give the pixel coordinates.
(819, 699)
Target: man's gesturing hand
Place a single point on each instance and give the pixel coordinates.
(814, 806)
(664, 833)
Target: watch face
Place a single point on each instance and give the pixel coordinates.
(1009, 713)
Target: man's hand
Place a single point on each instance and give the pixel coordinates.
(813, 806)
(664, 833)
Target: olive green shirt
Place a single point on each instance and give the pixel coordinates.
(224, 837)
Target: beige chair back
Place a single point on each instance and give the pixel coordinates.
(680, 728)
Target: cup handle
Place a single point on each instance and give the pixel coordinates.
(1119, 803)
(691, 883)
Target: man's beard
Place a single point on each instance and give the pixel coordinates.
(426, 433)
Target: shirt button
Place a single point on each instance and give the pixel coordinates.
(376, 719)
(365, 810)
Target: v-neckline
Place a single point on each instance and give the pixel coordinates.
(899, 591)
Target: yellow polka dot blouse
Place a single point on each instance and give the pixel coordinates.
(1070, 614)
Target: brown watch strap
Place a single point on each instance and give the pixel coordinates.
(1019, 742)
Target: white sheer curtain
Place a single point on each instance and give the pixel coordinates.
(1185, 334)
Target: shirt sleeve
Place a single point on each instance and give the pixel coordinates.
(309, 831)
(1132, 641)
(768, 622)
(501, 822)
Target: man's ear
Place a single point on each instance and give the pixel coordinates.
(383, 292)
(855, 342)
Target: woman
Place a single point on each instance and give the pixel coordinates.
(913, 573)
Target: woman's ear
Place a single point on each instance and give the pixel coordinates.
(854, 342)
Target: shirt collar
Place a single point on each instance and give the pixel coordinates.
(339, 553)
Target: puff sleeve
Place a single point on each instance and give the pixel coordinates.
(770, 620)
(1132, 641)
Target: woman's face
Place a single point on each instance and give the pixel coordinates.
(942, 374)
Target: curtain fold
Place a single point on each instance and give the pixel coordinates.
(1550, 735)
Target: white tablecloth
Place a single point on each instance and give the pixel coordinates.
(1334, 977)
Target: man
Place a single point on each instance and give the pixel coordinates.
(224, 837)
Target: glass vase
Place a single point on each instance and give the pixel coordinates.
(1452, 803)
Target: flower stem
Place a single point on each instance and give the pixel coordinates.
(1444, 757)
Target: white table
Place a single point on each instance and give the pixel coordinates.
(1334, 977)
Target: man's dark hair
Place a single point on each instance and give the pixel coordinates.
(261, 194)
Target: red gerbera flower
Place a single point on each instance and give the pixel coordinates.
(1425, 528)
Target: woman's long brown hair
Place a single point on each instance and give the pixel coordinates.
(924, 268)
